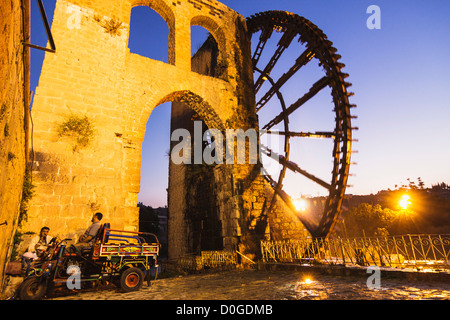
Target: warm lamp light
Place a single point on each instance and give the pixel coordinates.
(404, 202)
(300, 204)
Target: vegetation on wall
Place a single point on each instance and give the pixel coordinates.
(78, 127)
(11, 156)
(93, 206)
(111, 26)
(3, 111)
(27, 194)
(6, 130)
(220, 70)
(17, 240)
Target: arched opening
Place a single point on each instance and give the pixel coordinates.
(149, 34)
(198, 37)
(201, 208)
(155, 155)
(194, 217)
(207, 49)
(152, 198)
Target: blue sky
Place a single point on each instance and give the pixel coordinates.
(399, 75)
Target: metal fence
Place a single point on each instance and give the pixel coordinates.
(421, 251)
(207, 260)
(214, 259)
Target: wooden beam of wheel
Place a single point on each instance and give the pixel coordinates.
(294, 167)
(265, 35)
(269, 67)
(284, 42)
(317, 134)
(316, 88)
(301, 61)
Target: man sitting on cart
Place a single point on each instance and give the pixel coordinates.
(87, 240)
(36, 249)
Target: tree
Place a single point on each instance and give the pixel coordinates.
(148, 219)
(427, 212)
(367, 220)
(440, 186)
(421, 184)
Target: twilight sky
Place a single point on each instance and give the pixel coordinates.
(399, 75)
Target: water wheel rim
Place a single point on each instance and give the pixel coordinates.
(317, 43)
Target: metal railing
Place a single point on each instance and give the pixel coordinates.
(214, 259)
(207, 260)
(423, 251)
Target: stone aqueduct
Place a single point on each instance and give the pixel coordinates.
(93, 74)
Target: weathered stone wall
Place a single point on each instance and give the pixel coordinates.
(14, 103)
(94, 75)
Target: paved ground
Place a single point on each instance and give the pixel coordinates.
(270, 285)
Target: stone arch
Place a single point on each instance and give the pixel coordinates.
(216, 31)
(153, 42)
(198, 104)
(160, 7)
(196, 205)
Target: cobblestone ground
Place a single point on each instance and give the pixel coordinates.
(264, 285)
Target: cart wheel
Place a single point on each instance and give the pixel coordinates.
(33, 288)
(131, 279)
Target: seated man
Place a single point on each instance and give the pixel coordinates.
(88, 238)
(37, 247)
